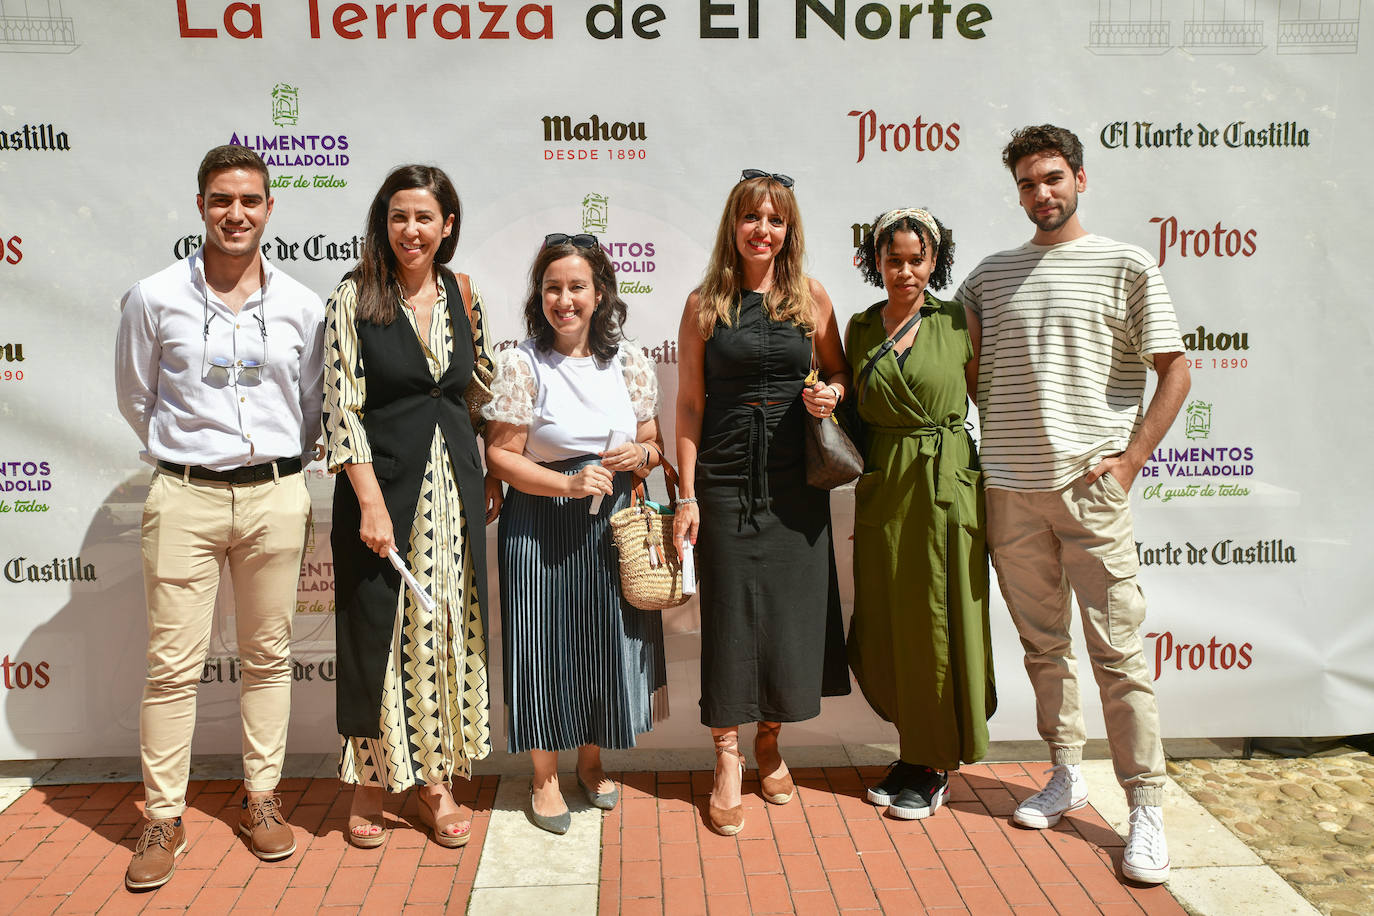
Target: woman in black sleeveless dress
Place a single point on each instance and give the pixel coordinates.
(771, 632)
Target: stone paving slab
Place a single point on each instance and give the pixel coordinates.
(10, 794)
(24, 772)
(518, 854)
(1310, 819)
(563, 900)
(77, 770)
(1254, 890)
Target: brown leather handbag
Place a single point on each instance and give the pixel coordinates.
(478, 393)
(831, 458)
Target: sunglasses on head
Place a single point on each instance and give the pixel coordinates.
(784, 180)
(581, 240)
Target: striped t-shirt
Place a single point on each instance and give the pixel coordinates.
(1068, 333)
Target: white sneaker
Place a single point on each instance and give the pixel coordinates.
(1147, 854)
(1064, 792)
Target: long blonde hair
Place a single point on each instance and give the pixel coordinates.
(789, 299)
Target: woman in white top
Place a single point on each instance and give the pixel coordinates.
(572, 423)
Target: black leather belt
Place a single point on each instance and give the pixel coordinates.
(253, 473)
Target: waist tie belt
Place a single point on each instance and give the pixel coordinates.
(931, 441)
(756, 463)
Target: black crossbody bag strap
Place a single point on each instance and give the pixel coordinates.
(882, 351)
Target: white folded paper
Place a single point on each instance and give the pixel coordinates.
(420, 594)
(614, 440)
(689, 568)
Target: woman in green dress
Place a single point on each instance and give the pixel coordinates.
(918, 642)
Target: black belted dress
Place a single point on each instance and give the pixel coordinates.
(771, 630)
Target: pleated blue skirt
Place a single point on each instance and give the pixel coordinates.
(581, 666)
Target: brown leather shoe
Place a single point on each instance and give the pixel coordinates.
(155, 855)
(268, 835)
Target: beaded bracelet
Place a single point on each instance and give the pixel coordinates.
(685, 501)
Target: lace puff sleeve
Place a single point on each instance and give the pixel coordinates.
(640, 380)
(513, 390)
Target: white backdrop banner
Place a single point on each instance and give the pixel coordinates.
(1230, 138)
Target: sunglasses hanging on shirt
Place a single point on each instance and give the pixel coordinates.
(233, 364)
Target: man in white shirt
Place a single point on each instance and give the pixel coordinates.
(218, 369)
(1065, 328)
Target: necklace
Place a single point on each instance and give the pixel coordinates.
(419, 290)
(891, 328)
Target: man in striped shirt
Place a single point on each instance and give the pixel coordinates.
(1064, 328)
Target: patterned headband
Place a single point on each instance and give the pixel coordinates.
(921, 216)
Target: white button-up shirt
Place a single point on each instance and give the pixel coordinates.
(202, 385)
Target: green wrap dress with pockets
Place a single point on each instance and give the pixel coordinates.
(918, 644)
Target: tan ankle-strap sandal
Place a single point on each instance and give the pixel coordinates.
(775, 790)
(727, 821)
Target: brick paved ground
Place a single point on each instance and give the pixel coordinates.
(829, 851)
(65, 849)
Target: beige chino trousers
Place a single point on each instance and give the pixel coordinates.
(191, 528)
(1081, 538)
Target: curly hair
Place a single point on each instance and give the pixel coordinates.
(608, 320)
(869, 253)
(375, 273)
(789, 299)
(1046, 138)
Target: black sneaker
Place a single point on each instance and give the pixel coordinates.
(923, 795)
(899, 775)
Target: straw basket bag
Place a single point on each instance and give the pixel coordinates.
(650, 568)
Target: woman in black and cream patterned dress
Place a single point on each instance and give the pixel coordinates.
(402, 345)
